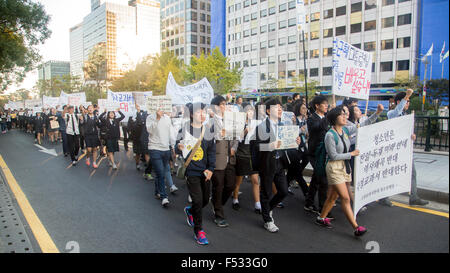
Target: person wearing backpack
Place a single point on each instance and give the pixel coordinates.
(338, 169)
(200, 164)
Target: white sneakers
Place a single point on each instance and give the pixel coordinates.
(114, 167)
(271, 227)
(173, 189)
(165, 202)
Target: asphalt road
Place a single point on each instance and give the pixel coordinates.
(115, 211)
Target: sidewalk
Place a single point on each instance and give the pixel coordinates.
(432, 175)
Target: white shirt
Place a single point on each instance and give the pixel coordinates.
(161, 134)
(69, 128)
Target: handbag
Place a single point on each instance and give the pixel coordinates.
(54, 124)
(181, 172)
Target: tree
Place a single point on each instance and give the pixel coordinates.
(401, 84)
(215, 67)
(438, 89)
(96, 68)
(54, 86)
(298, 84)
(23, 26)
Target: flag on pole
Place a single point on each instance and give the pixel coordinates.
(430, 51)
(301, 20)
(445, 56)
(424, 94)
(442, 53)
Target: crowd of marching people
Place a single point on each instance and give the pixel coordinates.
(214, 164)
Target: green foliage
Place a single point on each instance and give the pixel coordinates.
(298, 84)
(96, 69)
(53, 87)
(438, 88)
(401, 84)
(23, 26)
(215, 67)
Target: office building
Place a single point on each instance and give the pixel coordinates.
(53, 69)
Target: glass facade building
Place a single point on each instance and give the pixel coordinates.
(53, 69)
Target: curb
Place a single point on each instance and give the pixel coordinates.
(429, 195)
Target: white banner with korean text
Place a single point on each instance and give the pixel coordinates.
(198, 92)
(384, 166)
(352, 70)
(122, 100)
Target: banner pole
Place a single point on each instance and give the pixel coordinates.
(367, 106)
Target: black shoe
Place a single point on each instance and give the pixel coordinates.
(257, 211)
(310, 208)
(280, 205)
(385, 202)
(417, 202)
(221, 222)
(236, 206)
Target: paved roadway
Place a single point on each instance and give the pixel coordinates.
(115, 211)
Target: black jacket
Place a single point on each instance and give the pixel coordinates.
(317, 129)
(112, 128)
(90, 125)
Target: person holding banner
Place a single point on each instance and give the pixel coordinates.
(112, 125)
(224, 176)
(90, 124)
(73, 132)
(338, 169)
(200, 163)
(270, 162)
(402, 104)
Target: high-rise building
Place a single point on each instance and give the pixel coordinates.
(186, 27)
(76, 51)
(262, 36)
(53, 69)
(130, 30)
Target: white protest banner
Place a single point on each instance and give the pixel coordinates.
(86, 104)
(177, 123)
(76, 99)
(384, 166)
(301, 19)
(125, 101)
(234, 124)
(288, 136)
(101, 105)
(112, 105)
(249, 81)
(286, 118)
(155, 103)
(352, 70)
(63, 98)
(50, 102)
(252, 130)
(37, 110)
(197, 92)
(30, 104)
(140, 98)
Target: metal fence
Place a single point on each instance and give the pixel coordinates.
(431, 133)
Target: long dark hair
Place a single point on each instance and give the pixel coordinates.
(351, 113)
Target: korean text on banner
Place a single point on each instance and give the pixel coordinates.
(352, 70)
(50, 102)
(384, 166)
(140, 98)
(197, 92)
(155, 103)
(76, 99)
(301, 19)
(30, 104)
(288, 136)
(125, 102)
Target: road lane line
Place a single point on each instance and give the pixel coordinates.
(70, 165)
(40, 233)
(429, 211)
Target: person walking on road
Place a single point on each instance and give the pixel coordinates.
(90, 124)
(62, 129)
(112, 134)
(200, 164)
(72, 131)
(38, 127)
(338, 169)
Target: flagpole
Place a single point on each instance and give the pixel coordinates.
(431, 66)
(424, 84)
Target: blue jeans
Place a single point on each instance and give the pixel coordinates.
(3, 126)
(160, 163)
(64, 142)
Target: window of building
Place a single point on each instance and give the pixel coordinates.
(254, 2)
(237, 6)
(291, 39)
(370, 46)
(246, 48)
(254, 63)
(263, 44)
(315, 35)
(355, 28)
(247, 18)
(263, 13)
(282, 58)
(327, 33)
(272, 27)
(385, 66)
(370, 25)
(291, 74)
(340, 30)
(292, 57)
(272, 10)
(388, 2)
(341, 11)
(357, 45)
(246, 33)
(282, 41)
(271, 60)
(387, 22)
(291, 4)
(401, 1)
(246, 3)
(245, 63)
(404, 19)
(281, 74)
(327, 71)
(263, 76)
(282, 24)
(283, 7)
(254, 47)
(370, 4)
(387, 44)
(254, 31)
(314, 53)
(403, 42)
(402, 65)
(328, 13)
(314, 72)
(271, 43)
(315, 16)
(328, 52)
(254, 16)
(355, 7)
(292, 22)
(263, 29)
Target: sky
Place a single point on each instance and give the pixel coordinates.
(64, 15)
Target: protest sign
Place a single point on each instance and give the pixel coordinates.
(251, 135)
(112, 105)
(288, 136)
(30, 104)
(197, 92)
(63, 98)
(140, 98)
(249, 81)
(352, 70)
(101, 105)
(286, 118)
(125, 102)
(188, 142)
(50, 102)
(76, 99)
(37, 110)
(155, 103)
(384, 166)
(234, 124)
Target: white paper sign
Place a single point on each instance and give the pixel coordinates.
(50, 102)
(384, 166)
(352, 70)
(112, 105)
(140, 98)
(201, 91)
(189, 142)
(286, 118)
(251, 135)
(125, 101)
(288, 136)
(63, 98)
(234, 124)
(30, 104)
(76, 99)
(249, 81)
(102, 105)
(155, 103)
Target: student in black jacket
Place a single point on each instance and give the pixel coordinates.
(38, 123)
(200, 169)
(270, 162)
(90, 124)
(317, 128)
(112, 125)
